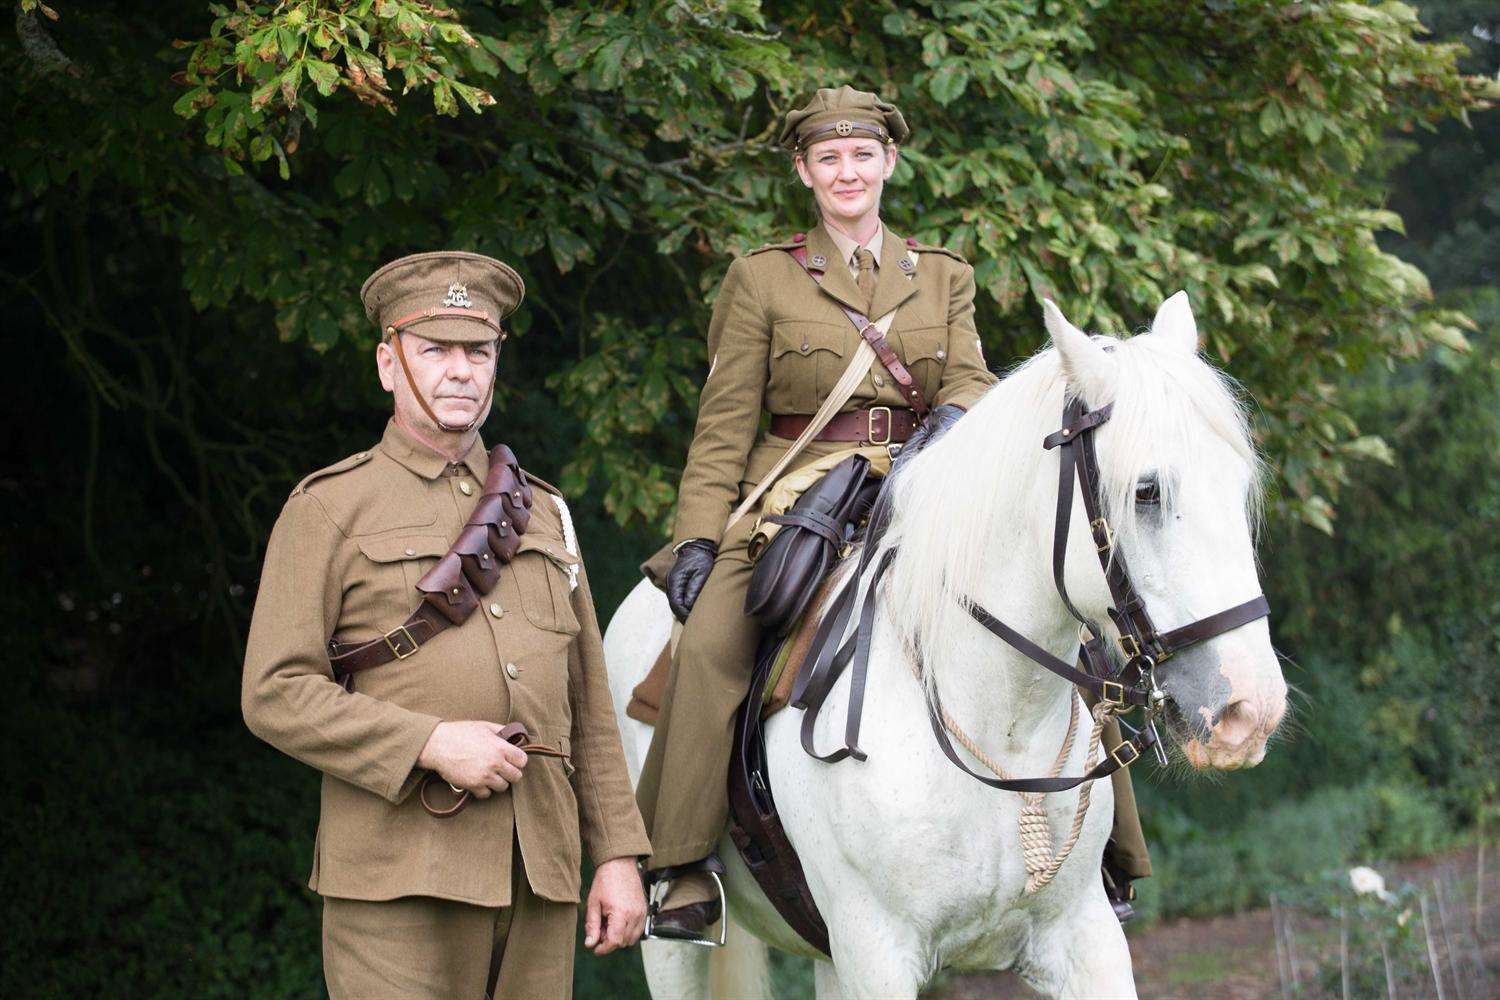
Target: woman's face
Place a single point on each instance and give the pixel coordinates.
(846, 177)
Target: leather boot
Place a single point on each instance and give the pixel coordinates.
(1119, 890)
(690, 908)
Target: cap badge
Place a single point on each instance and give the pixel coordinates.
(844, 127)
(458, 297)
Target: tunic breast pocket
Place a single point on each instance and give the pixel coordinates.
(544, 577)
(400, 561)
(807, 359)
(925, 353)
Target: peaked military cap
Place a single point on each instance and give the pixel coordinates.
(835, 113)
(449, 296)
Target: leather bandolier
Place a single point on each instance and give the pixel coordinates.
(467, 571)
(450, 594)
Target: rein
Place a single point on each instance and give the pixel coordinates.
(1132, 686)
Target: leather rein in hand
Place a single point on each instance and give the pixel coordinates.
(1144, 647)
(513, 733)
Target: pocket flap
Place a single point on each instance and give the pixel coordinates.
(928, 343)
(552, 548)
(803, 337)
(391, 548)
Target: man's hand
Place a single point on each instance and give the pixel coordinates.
(472, 756)
(616, 912)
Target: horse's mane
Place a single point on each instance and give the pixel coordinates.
(968, 499)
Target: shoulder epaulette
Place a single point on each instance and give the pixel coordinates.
(536, 480)
(796, 241)
(913, 244)
(344, 465)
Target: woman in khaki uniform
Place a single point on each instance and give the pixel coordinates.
(780, 338)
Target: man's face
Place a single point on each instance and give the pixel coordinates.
(455, 379)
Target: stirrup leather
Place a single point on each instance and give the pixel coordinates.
(656, 895)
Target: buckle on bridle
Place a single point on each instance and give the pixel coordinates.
(1125, 761)
(1129, 646)
(396, 648)
(890, 424)
(1101, 525)
(1112, 693)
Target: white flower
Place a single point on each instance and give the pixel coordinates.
(1368, 882)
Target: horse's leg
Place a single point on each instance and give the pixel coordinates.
(1084, 956)
(875, 955)
(826, 985)
(675, 971)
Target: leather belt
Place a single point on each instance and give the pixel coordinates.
(876, 425)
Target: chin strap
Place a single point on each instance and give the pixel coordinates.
(421, 400)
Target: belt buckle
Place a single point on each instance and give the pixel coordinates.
(890, 424)
(395, 646)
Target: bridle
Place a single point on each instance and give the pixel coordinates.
(1144, 647)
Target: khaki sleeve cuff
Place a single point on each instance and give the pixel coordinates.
(406, 776)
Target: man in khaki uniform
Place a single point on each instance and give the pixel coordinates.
(780, 340)
(484, 900)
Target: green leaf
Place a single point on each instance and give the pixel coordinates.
(948, 84)
(324, 75)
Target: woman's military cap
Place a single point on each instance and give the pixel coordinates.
(449, 296)
(839, 113)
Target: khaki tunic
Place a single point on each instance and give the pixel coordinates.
(344, 559)
(780, 341)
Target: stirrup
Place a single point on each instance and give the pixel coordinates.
(656, 895)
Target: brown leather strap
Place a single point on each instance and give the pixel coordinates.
(406, 370)
(478, 315)
(876, 425)
(868, 330)
(451, 590)
(513, 733)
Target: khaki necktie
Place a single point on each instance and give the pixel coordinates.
(866, 277)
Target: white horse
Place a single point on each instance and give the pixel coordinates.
(914, 865)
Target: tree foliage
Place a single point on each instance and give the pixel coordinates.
(1101, 153)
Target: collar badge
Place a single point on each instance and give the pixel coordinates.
(458, 297)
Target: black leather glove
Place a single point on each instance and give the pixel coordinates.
(936, 424)
(685, 580)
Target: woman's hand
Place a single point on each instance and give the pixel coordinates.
(695, 560)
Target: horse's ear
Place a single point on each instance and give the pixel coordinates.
(1175, 325)
(1086, 366)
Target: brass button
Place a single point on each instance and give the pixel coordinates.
(467, 489)
(942, 355)
(411, 552)
(495, 609)
(878, 381)
(512, 671)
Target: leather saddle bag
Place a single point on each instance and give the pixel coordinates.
(813, 534)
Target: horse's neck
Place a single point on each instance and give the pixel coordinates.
(1013, 707)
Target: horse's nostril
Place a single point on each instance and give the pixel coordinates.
(1237, 724)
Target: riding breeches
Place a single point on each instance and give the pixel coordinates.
(683, 793)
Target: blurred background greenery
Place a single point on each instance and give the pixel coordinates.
(193, 193)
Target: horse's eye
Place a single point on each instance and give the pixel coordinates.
(1148, 493)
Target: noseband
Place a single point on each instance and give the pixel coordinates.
(1119, 691)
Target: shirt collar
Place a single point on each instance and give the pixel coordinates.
(847, 246)
(421, 459)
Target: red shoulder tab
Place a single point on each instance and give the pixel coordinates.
(800, 238)
(911, 241)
